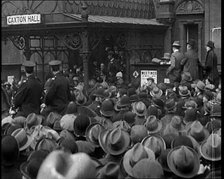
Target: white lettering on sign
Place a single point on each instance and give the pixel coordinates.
(24, 19)
(146, 74)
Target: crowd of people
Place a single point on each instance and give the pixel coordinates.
(111, 130)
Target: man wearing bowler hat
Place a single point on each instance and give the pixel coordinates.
(58, 94)
(28, 97)
(174, 70)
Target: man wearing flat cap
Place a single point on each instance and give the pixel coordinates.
(28, 97)
(175, 69)
(57, 95)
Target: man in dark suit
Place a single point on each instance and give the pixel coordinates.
(211, 70)
(57, 96)
(191, 61)
(175, 69)
(28, 97)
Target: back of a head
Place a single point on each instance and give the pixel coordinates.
(80, 124)
(9, 150)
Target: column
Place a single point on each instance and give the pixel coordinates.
(167, 41)
(26, 50)
(85, 57)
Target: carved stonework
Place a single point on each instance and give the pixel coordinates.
(18, 41)
(10, 7)
(190, 7)
(72, 41)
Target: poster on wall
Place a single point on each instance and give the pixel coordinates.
(146, 74)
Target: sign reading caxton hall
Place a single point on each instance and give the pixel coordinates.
(24, 19)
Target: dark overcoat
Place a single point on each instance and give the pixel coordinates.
(28, 96)
(211, 70)
(175, 69)
(58, 96)
(191, 63)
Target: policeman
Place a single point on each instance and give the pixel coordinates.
(57, 95)
(28, 96)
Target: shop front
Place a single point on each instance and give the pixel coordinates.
(77, 40)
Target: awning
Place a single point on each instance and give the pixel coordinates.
(117, 20)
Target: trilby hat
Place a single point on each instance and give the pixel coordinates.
(24, 140)
(93, 131)
(153, 125)
(155, 143)
(211, 148)
(183, 161)
(115, 141)
(134, 155)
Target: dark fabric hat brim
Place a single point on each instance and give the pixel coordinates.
(173, 168)
(87, 111)
(107, 113)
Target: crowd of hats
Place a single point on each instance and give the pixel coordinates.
(136, 134)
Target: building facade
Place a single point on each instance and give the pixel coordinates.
(78, 32)
(193, 19)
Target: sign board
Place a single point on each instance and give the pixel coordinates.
(146, 74)
(10, 79)
(24, 19)
(166, 80)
